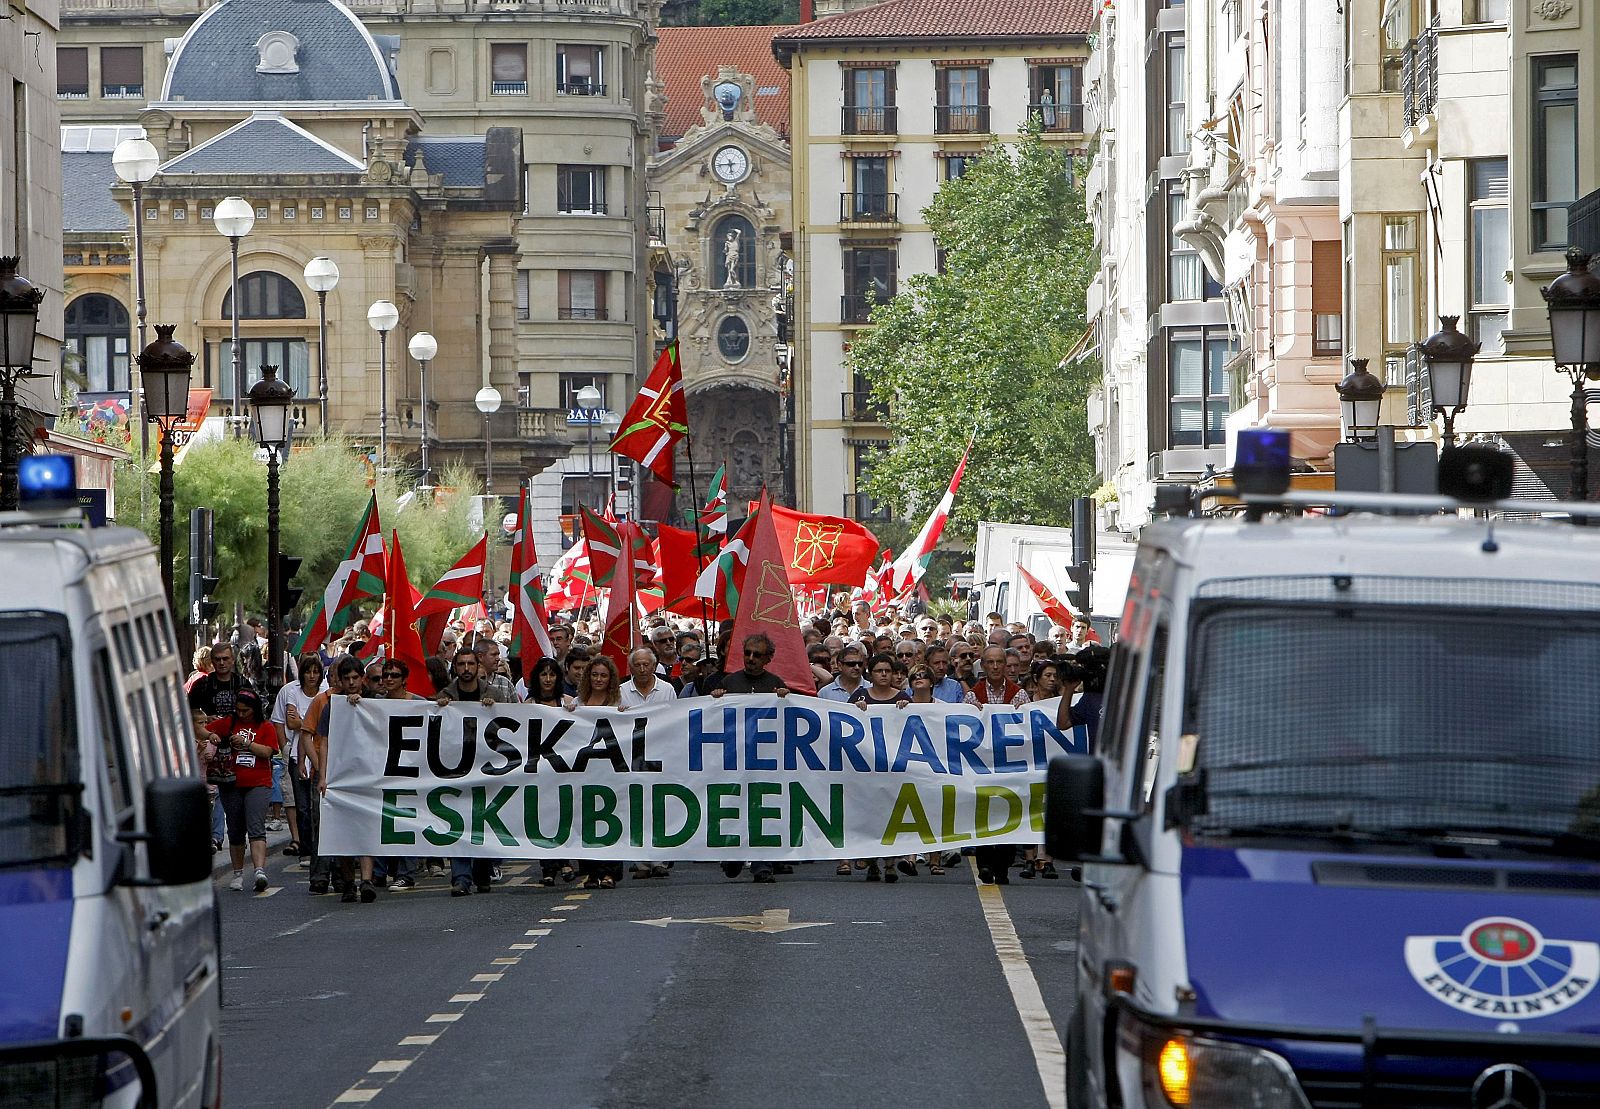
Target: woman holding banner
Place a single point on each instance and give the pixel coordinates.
(599, 687)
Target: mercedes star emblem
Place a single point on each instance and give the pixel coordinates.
(1507, 1086)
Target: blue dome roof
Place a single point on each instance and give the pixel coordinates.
(277, 51)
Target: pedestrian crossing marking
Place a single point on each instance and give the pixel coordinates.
(579, 896)
(517, 868)
(389, 1066)
(505, 961)
(537, 932)
(523, 946)
(516, 882)
(552, 920)
(468, 998)
(267, 892)
(487, 977)
(443, 1018)
(356, 1094)
(417, 1041)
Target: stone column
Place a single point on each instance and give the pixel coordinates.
(503, 322)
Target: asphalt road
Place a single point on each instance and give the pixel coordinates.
(896, 995)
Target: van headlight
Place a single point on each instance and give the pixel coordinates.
(1190, 1071)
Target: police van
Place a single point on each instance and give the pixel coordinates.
(109, 971)
(1340, 836)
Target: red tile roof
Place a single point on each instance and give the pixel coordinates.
(948, 19)
(686, 54)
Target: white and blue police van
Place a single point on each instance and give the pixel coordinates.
(1340, 833)
(109, 973)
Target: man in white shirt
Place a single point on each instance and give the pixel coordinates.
(644, 686)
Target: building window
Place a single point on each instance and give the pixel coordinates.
(1402, 265)
(290, 212)
(1056, 97)
(1232, 21)
(1491, 252)
(1488, 11)
(524, 311)
(1555, 147)
(572, 384)
(580, 491)
(868, 198)
(581, 294)
(344, 211)
(861, 505)
(733, 253)
(1327, 300)
(869, 279)
(72, 72)
(265, 296)
(97, 334)
(316, 211)
(955, 165)
(508, 69)
(1398, 27)
(122, 72)
(1177, 110)
(962, 100)
(580, 71)
(1186, 276)
(581, 190)
(290, 354)
(869, 107)
(1197, 366)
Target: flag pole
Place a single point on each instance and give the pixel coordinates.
(694, 509)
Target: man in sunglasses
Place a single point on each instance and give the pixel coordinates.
(754, 678)
(851, 675)
(468, 684)
(402, 868)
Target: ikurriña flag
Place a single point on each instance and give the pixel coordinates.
(461, 586)
(657, 419)
(360, 575)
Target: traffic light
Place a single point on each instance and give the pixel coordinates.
(1078, 596)
(288, 595)
(202, 581)
(1083, 530)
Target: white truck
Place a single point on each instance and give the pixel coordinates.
(1046, 552)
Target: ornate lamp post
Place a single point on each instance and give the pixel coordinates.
(135, 162)
(19, 319)
(164, 371)
(1360, 398)
(588, 399)
(1447, 359)
(488, 402)
(382, 317)
(322, 275)
(270, 400)
(1573, 300)
(234, 217)
(423, 347)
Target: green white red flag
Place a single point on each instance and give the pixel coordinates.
(712, 524)
(460, 587)
(360, 575)
(606, 540)
(622, 628)
(723, 578)
(913, 561)
(657, 418)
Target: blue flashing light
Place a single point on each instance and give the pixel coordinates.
(1261, 461)
(47, 481)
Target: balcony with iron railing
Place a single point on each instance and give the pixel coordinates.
(596, 312)
(880, 120)
(658, 223)
(860, 407)
(874, 207)
(1419, 76)
(864, 507)
(508, 88)
(857, 307)
(961, 119)
(1057, 119)
(580, 88)
(122, 92)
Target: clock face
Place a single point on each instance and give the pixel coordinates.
(730, 164)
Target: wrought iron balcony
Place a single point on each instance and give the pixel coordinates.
(580, 88)
(961, 119)
(508, 88)
(658, 223)
(862, 408)
(591, 313)
(1419, 75)
(857, 307)
(881, 120)
(1058, 119)
(869, 207)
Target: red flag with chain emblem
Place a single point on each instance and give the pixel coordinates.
(657, 418)
(766, 604)
(824, 550)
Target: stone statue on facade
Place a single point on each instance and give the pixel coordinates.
(731, 249)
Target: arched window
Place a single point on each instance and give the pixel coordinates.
(97, 332)
(263, 295)
(733, 254)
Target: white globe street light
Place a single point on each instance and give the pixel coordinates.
(488, 402)
(423, 347)
(233, 218)
(135, 162)
(382, 317)
(322, 276)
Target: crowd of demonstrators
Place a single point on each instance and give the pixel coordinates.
(858, 656)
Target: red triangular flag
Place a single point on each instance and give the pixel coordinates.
(766, 604)
(656, 419)
(1052, 605)
(622, 630)
(400, 623)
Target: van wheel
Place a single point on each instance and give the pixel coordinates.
(1078, 1059)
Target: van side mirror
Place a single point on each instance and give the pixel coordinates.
(1074, 806)
(177, 815)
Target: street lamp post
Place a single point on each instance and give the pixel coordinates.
(382, 317)
(164, 371)
(234, 217)
(609, 422)
(488, 402)
(1573, 300)
(135, 162)
(588, 399)
(1360, 398)
(423, 347)
(1447, 359)
(321, 275)
(270, 400)
(19, 319)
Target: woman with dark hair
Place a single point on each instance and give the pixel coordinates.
(599, 687)
(886, 689)
(250, 741)
(544, 688)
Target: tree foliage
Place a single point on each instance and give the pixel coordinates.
(982, 346)
(324, 487)
(730, 13)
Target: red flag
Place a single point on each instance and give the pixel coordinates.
(1053, 607)
(680, 568)
(823, 550)
(530, 624)
(622, 630)
(461, 586)
(360, 575)
(400, 623)
(657, 419)
(766, 604)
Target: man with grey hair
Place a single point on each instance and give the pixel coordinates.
(644, 686)
(488, 652)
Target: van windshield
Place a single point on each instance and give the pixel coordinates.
(39, 780)
(1398, 724)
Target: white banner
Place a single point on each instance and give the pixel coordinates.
(732, 778)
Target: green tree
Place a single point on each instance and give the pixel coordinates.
(323, 491)
(747, 13)
(984, 346)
